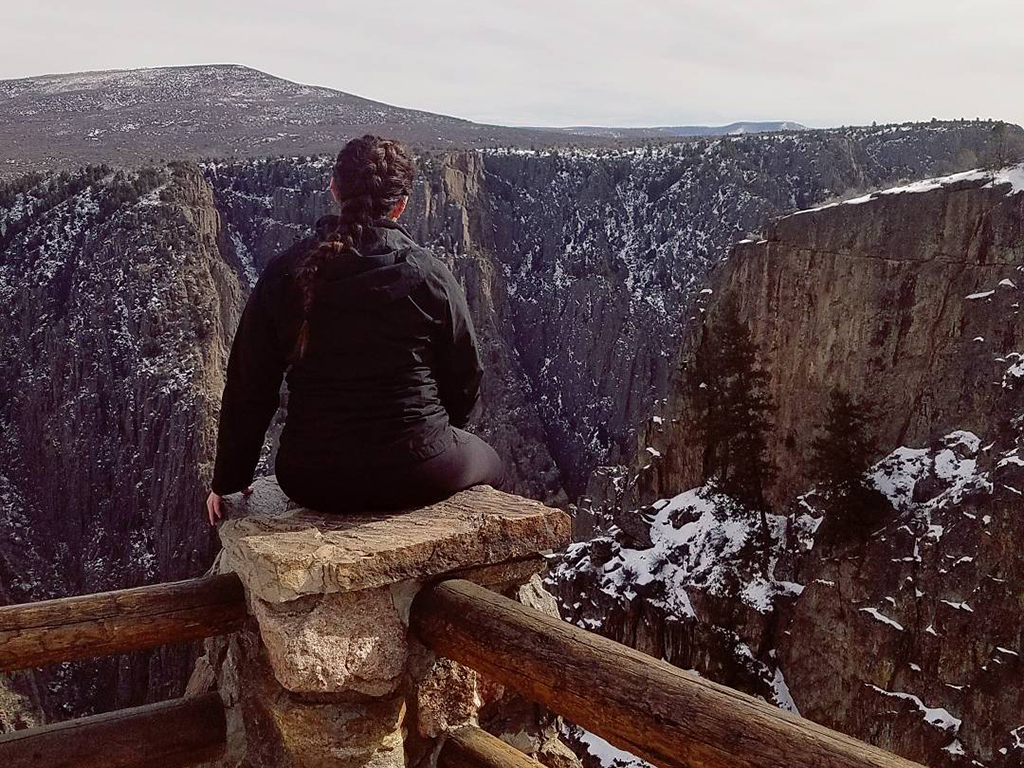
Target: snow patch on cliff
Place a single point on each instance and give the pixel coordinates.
(700, 539)
(607, 755)
(936, 716)
(1011, 177)
(954, 464)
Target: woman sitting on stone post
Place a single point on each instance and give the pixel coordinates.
(381, 359)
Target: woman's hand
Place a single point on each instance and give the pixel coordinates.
(215, 505)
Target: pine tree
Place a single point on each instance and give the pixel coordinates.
(842, 452)
(1001, 153)
(736, 411)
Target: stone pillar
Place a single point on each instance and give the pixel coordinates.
(327, 674)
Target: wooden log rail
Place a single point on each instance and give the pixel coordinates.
(34, 634)
(473, 747)
(171, 734)
(636, 702)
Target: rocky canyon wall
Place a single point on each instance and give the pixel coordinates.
(909, 637)
(119, 308)
(908, 300)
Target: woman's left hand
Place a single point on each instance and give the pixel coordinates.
(215, 505)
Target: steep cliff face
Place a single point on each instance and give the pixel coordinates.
(119, 308)
(907, 299)
(914, 640)
(910, 638)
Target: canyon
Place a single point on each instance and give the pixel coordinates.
(591, 273)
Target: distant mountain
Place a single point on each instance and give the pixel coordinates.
(676, 131)
(142, 115)
(135, 116)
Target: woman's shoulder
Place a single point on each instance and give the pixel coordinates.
(433, 267)
(282, 265)
(287, 258)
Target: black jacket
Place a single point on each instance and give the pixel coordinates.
(390, 363)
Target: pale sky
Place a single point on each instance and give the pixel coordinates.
(570, 62)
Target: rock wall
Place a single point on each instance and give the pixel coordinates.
(909, 638)
(114, 350)
(908, 300)
(913, 641)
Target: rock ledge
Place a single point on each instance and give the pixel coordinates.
(283, 552)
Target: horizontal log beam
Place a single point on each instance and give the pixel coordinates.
(472, 747)
(34, 634)
(636, 702)
(171, 734)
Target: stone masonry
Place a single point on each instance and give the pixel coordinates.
(327, 672)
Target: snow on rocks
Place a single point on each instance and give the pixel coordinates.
(783, 696)
(1016, 370)
(699, 539)
(935, 716)
(606, 755)
(953, 464)
(879, 616)
(1011, 177)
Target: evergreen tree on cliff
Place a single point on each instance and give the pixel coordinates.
(736, 413)
(842, 452)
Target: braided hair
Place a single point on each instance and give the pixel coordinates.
(371, 175)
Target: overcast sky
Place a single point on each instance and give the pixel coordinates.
(570, 62)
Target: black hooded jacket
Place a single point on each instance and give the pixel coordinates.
(391, 361)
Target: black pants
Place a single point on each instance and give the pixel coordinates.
(468, 461)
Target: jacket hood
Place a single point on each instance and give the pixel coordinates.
(385, 268)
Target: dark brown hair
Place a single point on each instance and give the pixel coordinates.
(371, 175)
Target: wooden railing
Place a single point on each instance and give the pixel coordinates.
(472, 747)
(169, 734)
(70, 628)
(638, 703)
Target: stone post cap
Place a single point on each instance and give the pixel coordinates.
(283, 552)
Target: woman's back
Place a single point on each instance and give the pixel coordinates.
(382, 363)
(390, 361)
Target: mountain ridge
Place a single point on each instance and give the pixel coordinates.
(139, 116)
(682, 131)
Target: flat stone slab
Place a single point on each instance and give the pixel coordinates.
(283, 552)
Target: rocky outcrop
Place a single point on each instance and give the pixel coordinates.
(910, 636)
(907, 299)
